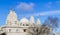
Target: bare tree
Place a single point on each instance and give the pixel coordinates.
(39, 30)
(52, 22)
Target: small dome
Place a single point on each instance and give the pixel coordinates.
(24, 20)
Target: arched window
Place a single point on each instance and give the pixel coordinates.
(24, 30)
(37, 30)
(16, 30)
(9, 30)
(23, 25)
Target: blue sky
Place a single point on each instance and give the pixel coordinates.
(29, 7)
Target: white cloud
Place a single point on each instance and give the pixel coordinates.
(51, 12)
(25, 6)
(47, 13)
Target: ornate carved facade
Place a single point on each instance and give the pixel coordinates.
(15, 27)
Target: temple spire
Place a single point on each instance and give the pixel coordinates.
(32, 18)
(11, 18)
(38, 21)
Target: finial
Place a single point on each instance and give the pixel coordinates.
(23, 16)
(12, 8)
(39, 16)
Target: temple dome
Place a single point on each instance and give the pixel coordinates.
(24, 20)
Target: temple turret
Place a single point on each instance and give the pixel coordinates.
(38, 22)
(11, 18)
(32, 20)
